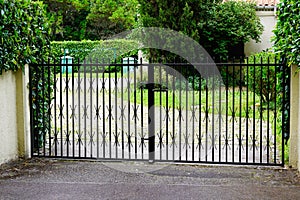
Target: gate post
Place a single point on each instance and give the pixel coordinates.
(294, 154)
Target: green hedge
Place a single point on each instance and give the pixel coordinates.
(103, 50)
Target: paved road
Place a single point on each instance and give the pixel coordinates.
(56, 179)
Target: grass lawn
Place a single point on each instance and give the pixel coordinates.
(232, 102)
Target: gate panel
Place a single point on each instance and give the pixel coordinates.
(161, 112)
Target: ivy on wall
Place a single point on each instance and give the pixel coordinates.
(24, 33)
(287, 37)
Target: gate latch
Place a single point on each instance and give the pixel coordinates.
(155, 87)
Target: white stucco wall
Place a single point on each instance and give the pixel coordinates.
(268, 20)
(294, 153)
(8, 119)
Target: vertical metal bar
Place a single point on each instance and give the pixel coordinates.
(151, 115)
(167, 116)
(103, 110)
(67, 105)
(49, 105)
(122, 108)
(91, 109)
(233, 110)
(73, 111)
(97, 106)
(200, 117)
(85, 108)
(43, 109)
(116, 113)
(55, 112)
(193, 117)
(275, 109)
(160, 113)
(79, 116)
(285, 106)
(247, 110)
(283, 110)
(268, 110)
(206, 114)
(142, 109)
(31, 109)
(173, 117)
(213, 118)
(220, 120)
(128, 116)
(186, 115)
(36, 113)
(180, 111)
(135, 113)
(240, 110)
(109, 109)
(261, 110)
(61, 110)
(254, 111)
(226, 120)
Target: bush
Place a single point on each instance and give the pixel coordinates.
(103, 51)
(287, 37)
(24, 33)
(262, 79)
(216, 25)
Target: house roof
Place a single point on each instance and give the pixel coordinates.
(262, 2)
(267, 2)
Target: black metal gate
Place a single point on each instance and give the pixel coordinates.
(161, 112)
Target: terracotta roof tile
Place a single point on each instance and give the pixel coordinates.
(262, 2)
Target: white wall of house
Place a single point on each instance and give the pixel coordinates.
(14, 116)
(268, 20)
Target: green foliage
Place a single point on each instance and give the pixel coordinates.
(271, 84)
(287, 37)
(67, 18)
(263, 80)
(109, 17)
(25, 39)
(90, 19)
(103, 50)
(215, 25)
(230, 23)
(24, 33)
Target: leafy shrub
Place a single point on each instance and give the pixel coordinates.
(262, 79)
(24, 35)
(103, 51)
(218, 26)
(287, 37)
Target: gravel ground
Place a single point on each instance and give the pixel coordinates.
(62, 179)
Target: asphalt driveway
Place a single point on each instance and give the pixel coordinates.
(61, 179)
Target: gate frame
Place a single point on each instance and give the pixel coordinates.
(150, 128)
